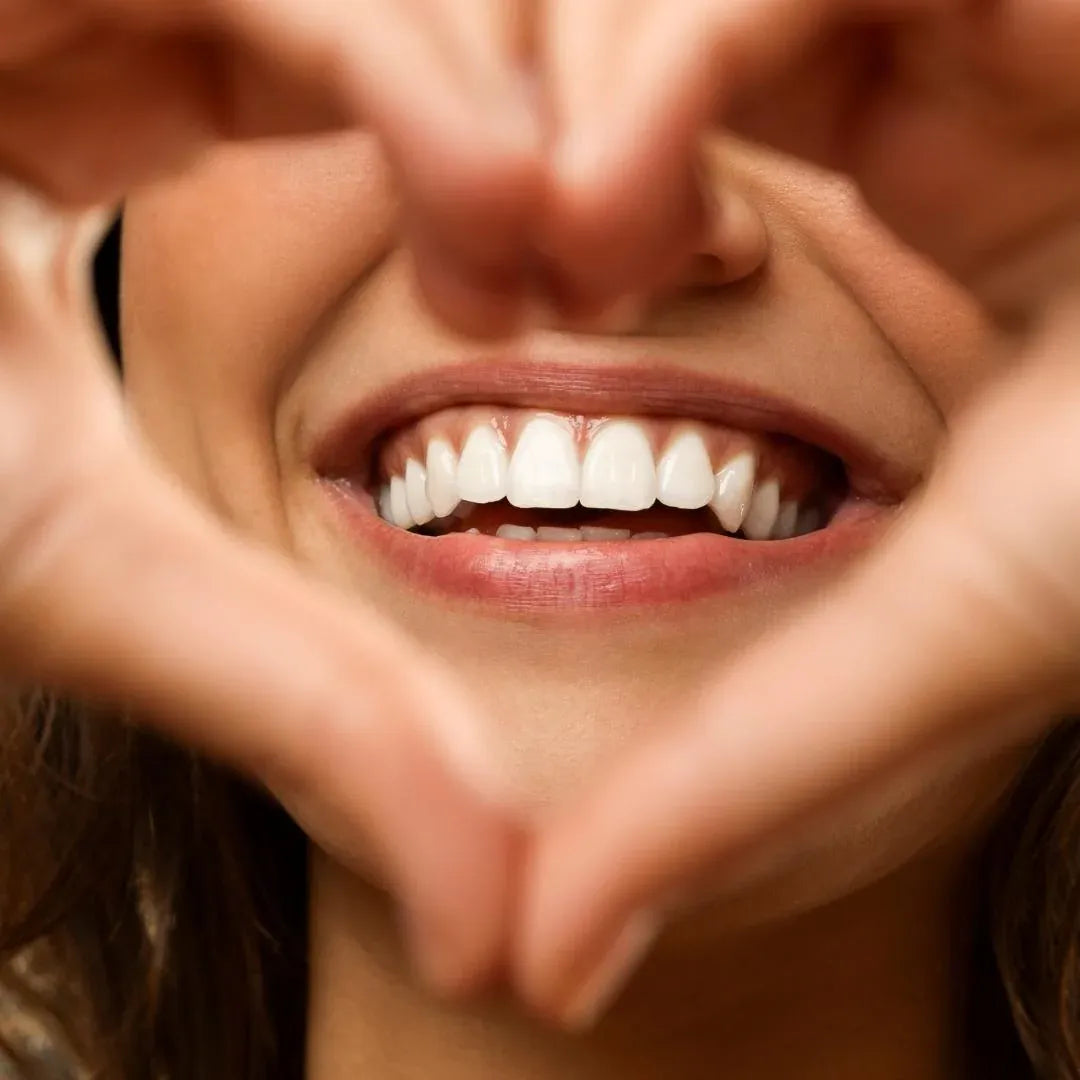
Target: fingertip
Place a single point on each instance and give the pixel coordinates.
(616, 220)
(488, 305)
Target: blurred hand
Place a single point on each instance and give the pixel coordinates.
(113, 584)
(961, 122)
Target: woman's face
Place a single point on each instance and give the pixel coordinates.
(797, 379)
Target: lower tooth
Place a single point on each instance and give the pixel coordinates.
(515, 532)
(786, 521)
(651, 536)
(558, 535)
(809, 521)
(597, 533)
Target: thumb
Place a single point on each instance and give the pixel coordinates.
(971, 610)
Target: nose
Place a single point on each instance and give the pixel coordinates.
(734, 244)
(732, 247)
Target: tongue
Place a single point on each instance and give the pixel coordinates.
(661, 519)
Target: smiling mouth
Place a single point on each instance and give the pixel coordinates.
(529, 476)
(527, 505)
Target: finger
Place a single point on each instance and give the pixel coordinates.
(119, 592)
(115, 587)
(443, 87)
(441, 84)
(880, 676)
(632, 88)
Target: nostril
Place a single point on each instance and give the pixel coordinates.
(736, 245)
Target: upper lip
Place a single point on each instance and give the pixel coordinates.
(652, 387)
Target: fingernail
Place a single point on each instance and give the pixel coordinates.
(610, 976)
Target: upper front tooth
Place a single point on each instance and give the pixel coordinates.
(399, 504)
(619, 473)
(483, 467)
(734, 489)
(685, 476)
(416, 493)
(442, 468)
(764, 508)
(545, 471)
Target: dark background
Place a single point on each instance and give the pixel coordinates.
(107, 285)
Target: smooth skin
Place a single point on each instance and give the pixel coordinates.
(114, 584)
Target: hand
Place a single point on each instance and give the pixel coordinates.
(113, 584)
(981, 105)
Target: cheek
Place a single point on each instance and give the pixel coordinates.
(227, 272)
(932, 323)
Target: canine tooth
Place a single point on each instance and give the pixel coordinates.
(684, 475)
(595, 532)
(515, 532)
(386, 511)
(786, 520)
(442, 468)
(399, 504)
(761, 517)
(734, 490)
(416, 493)
(483, 466)
(651, 536)
(545, 471)
(619, 473)
(550, 533)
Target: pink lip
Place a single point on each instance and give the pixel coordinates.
(530, 578)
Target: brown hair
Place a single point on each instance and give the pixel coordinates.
(152, 908)
(153, 911)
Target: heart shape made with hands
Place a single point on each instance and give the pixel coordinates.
(95, 543)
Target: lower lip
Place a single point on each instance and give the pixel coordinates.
(581, 575)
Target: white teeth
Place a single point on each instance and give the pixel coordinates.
(786, 520)
(416, 493)
(442, 467)
(764, 507)
(684, 475)
(399, 504)
(594, 532)
(483, 466)
(734, 490)
(544, 471)
(386, 511)
(558, 535)
(515, 532)
(619, 473)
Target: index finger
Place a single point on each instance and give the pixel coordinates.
(962, 632)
